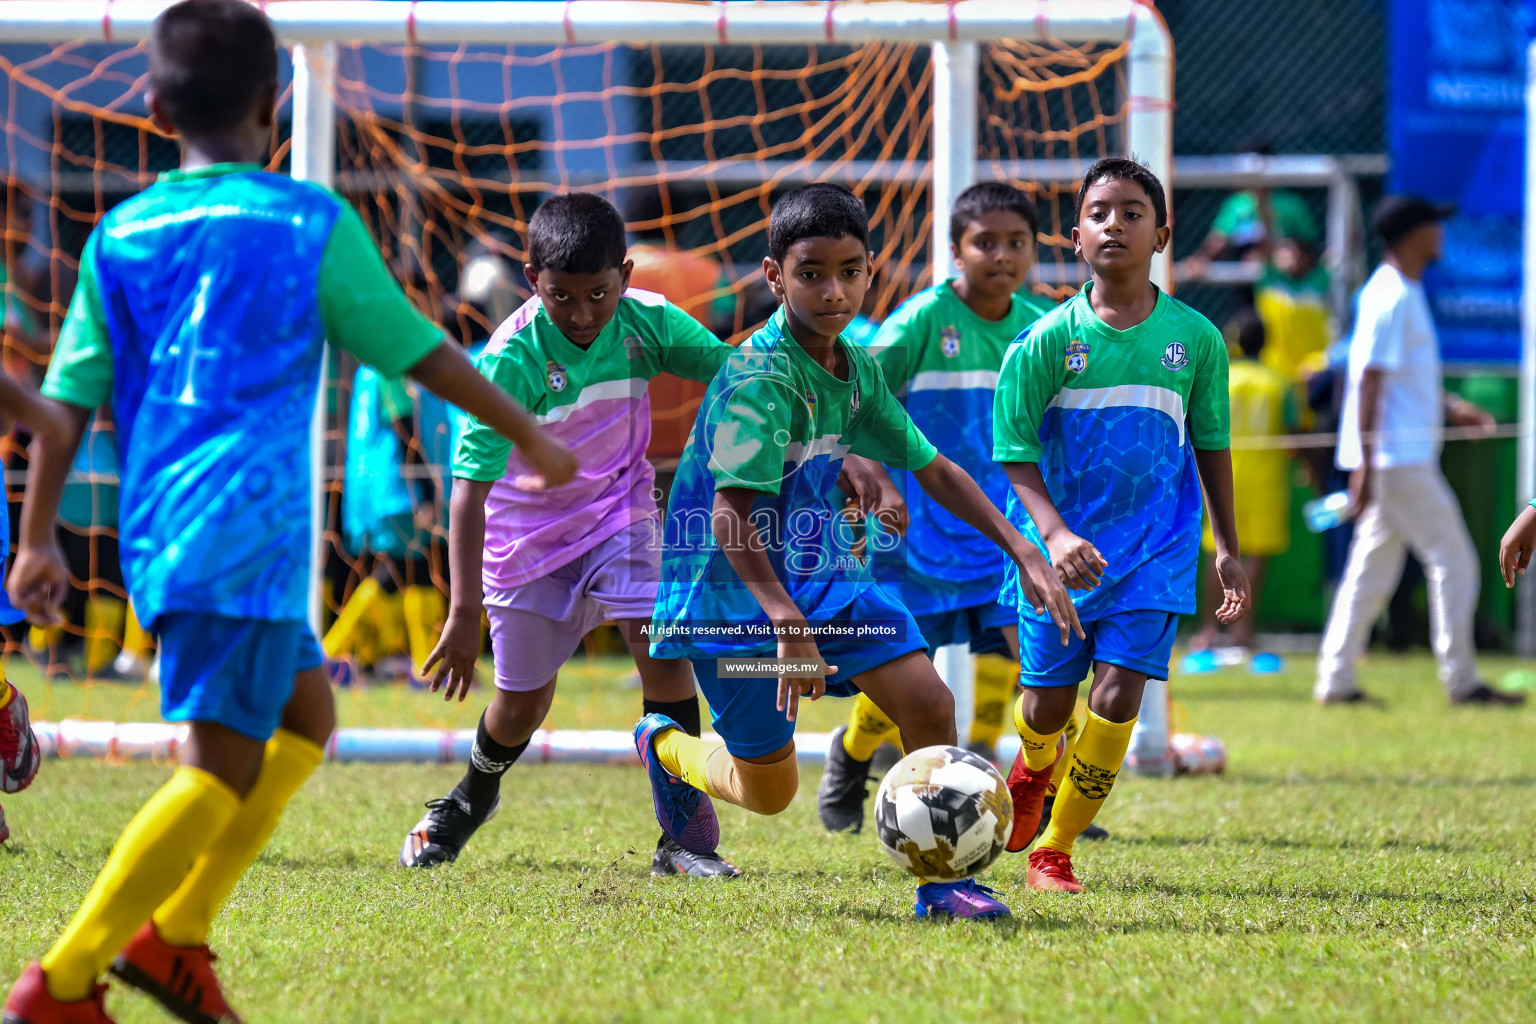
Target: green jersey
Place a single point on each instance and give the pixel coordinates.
(594, 399)
(1113, 418)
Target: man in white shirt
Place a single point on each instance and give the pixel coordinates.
(1390, 435)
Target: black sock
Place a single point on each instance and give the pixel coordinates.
(684, 712)
(488, 762)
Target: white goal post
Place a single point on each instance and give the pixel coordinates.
(952, 29)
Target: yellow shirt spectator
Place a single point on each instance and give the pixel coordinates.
(1263, 407)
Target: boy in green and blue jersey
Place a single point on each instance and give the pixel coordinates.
(1111, 419)
(940, 352)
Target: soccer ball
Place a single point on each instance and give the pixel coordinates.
(943, 813)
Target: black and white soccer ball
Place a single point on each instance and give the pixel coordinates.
(943, 813)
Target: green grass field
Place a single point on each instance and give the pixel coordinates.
(1354, 864)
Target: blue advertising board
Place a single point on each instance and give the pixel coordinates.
(1456, 128)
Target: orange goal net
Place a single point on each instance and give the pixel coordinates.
(446, 149)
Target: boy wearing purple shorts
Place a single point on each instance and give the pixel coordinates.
(556, 564)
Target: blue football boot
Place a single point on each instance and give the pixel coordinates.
(686, 814)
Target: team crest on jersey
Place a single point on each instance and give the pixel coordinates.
(810, 403)
(555, 373)
(1174, 356)
(1077, 356)
(631, 345)
(853, 401)
(949, 341)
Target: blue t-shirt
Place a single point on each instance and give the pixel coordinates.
(777, 422)
(9, 613)
(942, 360)
(201, 312)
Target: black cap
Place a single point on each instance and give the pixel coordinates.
(1395, 216)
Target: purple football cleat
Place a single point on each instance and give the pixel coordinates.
(959, 899)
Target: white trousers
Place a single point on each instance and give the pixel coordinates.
(1412, 508)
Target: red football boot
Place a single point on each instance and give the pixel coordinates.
(1028, 790)
(1052, 870)
(180, 978)
(30, 1002)
(20, 753)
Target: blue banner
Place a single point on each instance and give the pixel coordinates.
(1456, 128)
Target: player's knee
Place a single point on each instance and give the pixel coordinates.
(769, 788)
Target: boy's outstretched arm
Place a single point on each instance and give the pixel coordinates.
(39, 578)
(1215, 466)
(458, 649)
(448, 374)
(953, 488)
(41, 415)
(1079, 564)
(740, 541)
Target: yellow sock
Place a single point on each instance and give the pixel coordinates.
(184, 918)
(105, 618)
(425, 610)
(135, 639)
(1095, 763)
(339, 638)
(7, 692)
(1039, 747)
(687, 757)
(1074, 730)
(997, 678)
(43, 638)
(868, 727)
(151, 858)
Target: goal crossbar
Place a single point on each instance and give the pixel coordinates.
(596, 21)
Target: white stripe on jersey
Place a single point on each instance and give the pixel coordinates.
(953, 380)
(1134, 396)
(826, 444)
(630, 387)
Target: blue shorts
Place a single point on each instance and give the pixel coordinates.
(237, 673)
(1141, 641)
(980, 625)
(745, 711)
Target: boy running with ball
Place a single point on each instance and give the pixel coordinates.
(551, 566)
(1111, 418)
(940, 352)
(758, 559)
(202, 313)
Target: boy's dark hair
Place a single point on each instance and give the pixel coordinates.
(822, 210)
(1247, 329)
(210, 62)
(576, 233)
(1115, 168)
(986, 197)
